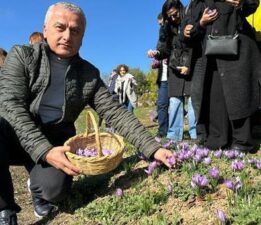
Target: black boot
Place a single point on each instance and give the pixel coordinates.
(8, 217)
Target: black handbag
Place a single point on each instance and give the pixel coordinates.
(222, 45)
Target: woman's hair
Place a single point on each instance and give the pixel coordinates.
(3, 54)
(120, 66)
(73, 8)
(36, 37)
(172, 4)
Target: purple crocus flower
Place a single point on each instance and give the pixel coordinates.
(238, 183)
(183, 155)
(119, 192)
(197, 158)
(237, 165)
(168, 144)
(218, 153)
(79, 152)
(258, 164)
(184, 146)
(241, 155)
(233, 186)
(229, 184)
(252, 161)
(221, 216)
(152, 166)
(207, 161)
(172, 160)
(106, 152)
(214, 173)
(230, 154)
(199, 181)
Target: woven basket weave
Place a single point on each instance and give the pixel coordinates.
(100, 164)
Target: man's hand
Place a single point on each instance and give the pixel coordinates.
(187, 30)
(56, 157)
(208, 17)
(162, 155)
(183, 70)
(152, 53)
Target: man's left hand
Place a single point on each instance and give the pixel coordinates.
(162, 155)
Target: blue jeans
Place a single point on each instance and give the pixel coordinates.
(162, 108)
(127, 104)
(176, 119)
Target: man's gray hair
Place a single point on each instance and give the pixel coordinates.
(66, 5)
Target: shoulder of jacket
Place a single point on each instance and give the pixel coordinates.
(88, 68)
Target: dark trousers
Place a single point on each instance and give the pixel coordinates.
(214, 123)
(46, 181)
(162, 108)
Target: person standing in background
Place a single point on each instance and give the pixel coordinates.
(162, 82)
(225, 89)
(171, 47)
(36, 37)
(124, 87)
(255, 21)
(3, 54)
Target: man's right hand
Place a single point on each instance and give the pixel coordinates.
(56, 157)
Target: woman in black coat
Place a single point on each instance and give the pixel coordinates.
(224, 88)
(170, 46)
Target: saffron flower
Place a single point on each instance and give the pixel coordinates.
(218, 153)
(199, 181)
(258, 164)
(119, 192)
(214, 173)
(207, 161)
(237, 165)
(221, 216)
(172, 160)
(234, 186)
(168, 144)
(152, 166)
(230, 154)
(252, 161)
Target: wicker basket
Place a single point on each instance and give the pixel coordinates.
(100, 164)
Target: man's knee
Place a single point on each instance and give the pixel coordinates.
(57, 189)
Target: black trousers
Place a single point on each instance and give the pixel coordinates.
(46, 181)
(214, 124)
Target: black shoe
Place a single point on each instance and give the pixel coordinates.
(43, 208)
(8, 217)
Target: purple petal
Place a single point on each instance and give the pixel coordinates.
(221, 216)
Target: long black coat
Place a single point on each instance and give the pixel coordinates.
(171, 46)
(239, 75)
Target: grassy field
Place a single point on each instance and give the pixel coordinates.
(162, 198)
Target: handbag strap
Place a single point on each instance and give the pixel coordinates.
(211, 4)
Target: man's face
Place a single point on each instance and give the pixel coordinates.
(64, 32)
(173, 16)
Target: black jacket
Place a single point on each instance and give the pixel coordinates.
(172, 47)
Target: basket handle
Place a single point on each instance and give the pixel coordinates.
(91, 119)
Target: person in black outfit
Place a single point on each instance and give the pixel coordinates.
(224, 88)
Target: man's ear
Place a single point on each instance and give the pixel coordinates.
(44, 31)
